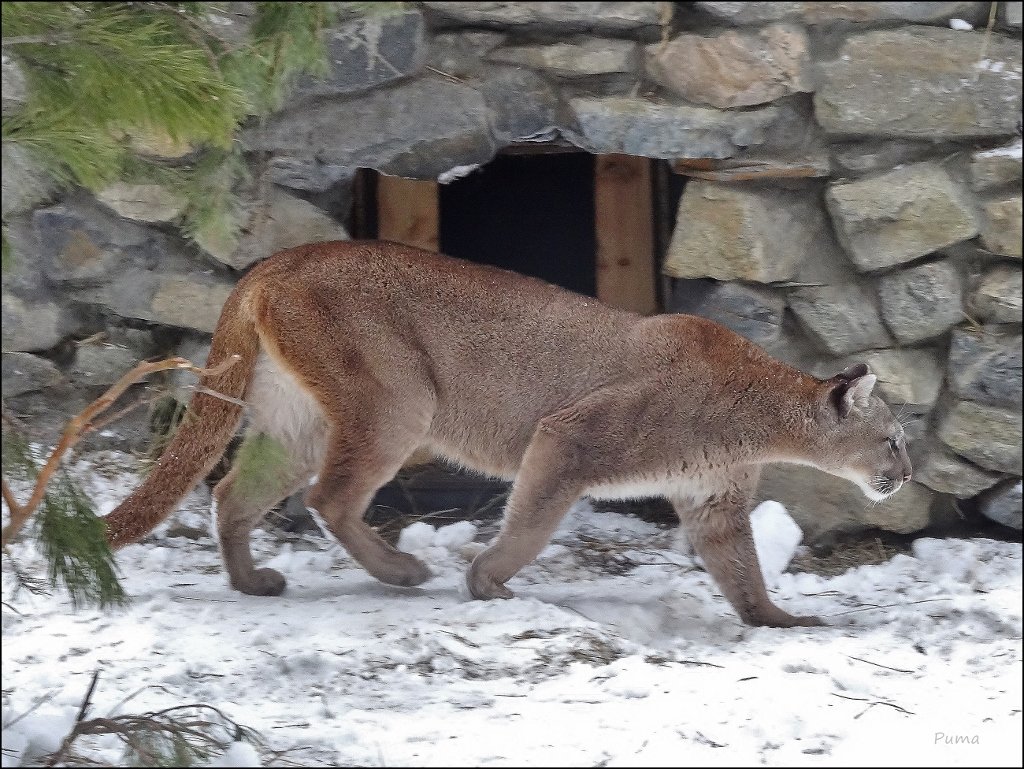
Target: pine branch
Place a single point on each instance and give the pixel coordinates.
(193, 31)
(97, 73)
(83, 423)
(74, 542)
(175, 736)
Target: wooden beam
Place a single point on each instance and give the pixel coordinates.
(731, 170)
(407, 211)
(623, 218)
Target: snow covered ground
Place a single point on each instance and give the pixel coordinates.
(618, 651)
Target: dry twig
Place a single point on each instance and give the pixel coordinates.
(182, 729)
(85, 422)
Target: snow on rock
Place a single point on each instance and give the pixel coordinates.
(416, 536)
(776, 537)
(616, 651)
(1009, 151)
(454, 536)
(421, 536)
(961, 25)
(449, 176)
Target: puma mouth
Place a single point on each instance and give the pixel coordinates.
(880, 487)
(877, 488)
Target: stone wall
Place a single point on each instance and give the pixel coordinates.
(855, 194)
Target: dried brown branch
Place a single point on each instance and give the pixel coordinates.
(872, 703)
(85, 422)
(879, 665)
(450, 77)
(179, 723)
(872, 607)
(985, 40)
(99, 425)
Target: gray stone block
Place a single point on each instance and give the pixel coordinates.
(1001, 225)
(23, 373)
(985, 366)
(737, 232)
(431, 126)
(921, 302)
(550, 16)
(151, 203)
(32, 325)
(275, 221)
(909, 378)
(752, 312)
(922, 82)
(24, 182)
(989, 436)
(461, 54)
(581, 58)
(733, 68)
(841, 318)
(822, 503)
(522, 104)
(101, 364)
(639, 126)
(901, 215)
(829, 13)
(1003, 504)
(996, 167)
(940, 469)
(367, 52)
(997, 297)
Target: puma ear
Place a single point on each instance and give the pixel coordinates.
(851, 389)
(856, 371)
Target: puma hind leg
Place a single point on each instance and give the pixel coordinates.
(360, 459)
(262, 475)
(372, 427)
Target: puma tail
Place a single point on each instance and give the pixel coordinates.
(203, 435)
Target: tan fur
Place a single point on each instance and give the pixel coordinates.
(356, 354)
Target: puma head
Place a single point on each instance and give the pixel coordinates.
(865, 442)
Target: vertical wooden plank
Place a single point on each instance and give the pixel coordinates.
(623, 211)
(407, 211)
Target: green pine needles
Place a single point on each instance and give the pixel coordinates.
(96, 71)
(75, 546)
(106, 82)
(70, 535)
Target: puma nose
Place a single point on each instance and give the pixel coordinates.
(906, 477)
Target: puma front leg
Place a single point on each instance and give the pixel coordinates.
(719, 530)
(544, 489)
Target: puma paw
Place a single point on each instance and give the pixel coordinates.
(403, 570)
(779, 618)
(261, 582)
(484, 587)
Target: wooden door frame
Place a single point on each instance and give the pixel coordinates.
(408, 212)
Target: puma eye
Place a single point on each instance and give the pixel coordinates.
(893, 445)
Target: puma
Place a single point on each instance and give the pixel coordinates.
(352, 355)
